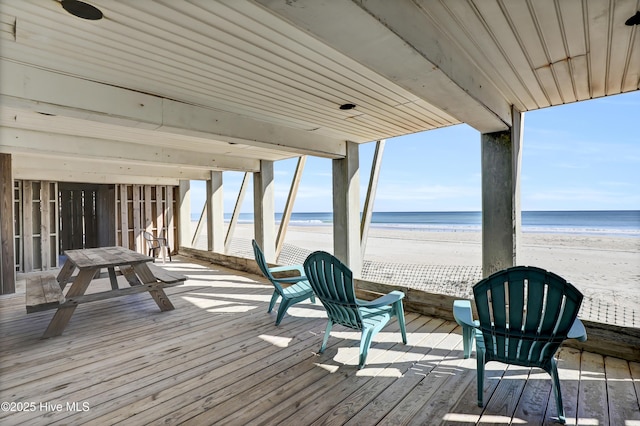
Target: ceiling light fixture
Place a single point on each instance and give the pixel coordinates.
(634, 20)
(346, 107)
(81, 9)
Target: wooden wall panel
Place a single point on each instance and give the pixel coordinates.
(141, 208)
(45, 229)
(36, 231)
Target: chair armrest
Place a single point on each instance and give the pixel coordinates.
(577, 331)
(286, 268)
(462, 313)
(290, 280)
(385, 300)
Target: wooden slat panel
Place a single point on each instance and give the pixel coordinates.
(45, 222)
(105, 256)
(137, 220)
(124, 216)
(599, 15)
(159, 210)
(621, 394)
(148, 217)
(573, 27)
(562, 74)
(478, 36)
(27, 225)
(169, 209)
(77, 222)
(42, 293)
(592, 395)
(619, 44)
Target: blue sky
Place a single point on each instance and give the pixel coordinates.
(581, 156)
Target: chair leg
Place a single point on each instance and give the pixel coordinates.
(555, 382)
(282, 309)
(327, 332)
(401, 322)
(365, 344)
(274, 299)
(480, 374)
(468, 334)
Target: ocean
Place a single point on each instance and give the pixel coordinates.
(622, 223)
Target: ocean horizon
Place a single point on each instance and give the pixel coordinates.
(624, 223)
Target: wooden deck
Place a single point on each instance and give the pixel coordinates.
(218, 358)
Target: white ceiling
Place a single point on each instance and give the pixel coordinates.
(227, 83)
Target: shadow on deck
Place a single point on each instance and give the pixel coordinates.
(219, 358)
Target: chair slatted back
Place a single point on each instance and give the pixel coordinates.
(332, 282)
(264, 267)
(150, 239)
(525, 313)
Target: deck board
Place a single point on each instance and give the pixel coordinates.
(219, 358)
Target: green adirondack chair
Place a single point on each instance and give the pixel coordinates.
(296, 288)
(525, 313)
(332, 281)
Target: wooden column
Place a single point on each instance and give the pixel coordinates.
(215, 213)
(264, 210)
(7, 255)
(501, 211)
(184, 211)
(346, 210)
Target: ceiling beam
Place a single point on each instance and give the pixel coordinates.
(425, 62)
(29, 166)
(53, 93)
(13, 140)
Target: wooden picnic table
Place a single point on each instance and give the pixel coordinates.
(136, 268)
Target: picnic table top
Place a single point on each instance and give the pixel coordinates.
(103, 257)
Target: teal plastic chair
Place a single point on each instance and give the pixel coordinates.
(525, 313)
(332, 281)
(296, 288)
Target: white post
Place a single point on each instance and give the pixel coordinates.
(501, 210)
(215, 213)
(264, 210)
(346, 210)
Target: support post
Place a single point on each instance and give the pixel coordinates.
(7, 239)
(346, 210)
(288, 208)
(236, 212)
(199, 225)
(184, 212)
(369, 200)
(501, 210)
(264, 210)
(215, 213)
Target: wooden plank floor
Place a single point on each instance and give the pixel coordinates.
(218, 358)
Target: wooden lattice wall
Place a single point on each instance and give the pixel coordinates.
(149, 208)
(36, 225)
(51, 217)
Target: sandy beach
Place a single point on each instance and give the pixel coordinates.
(605, 268)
